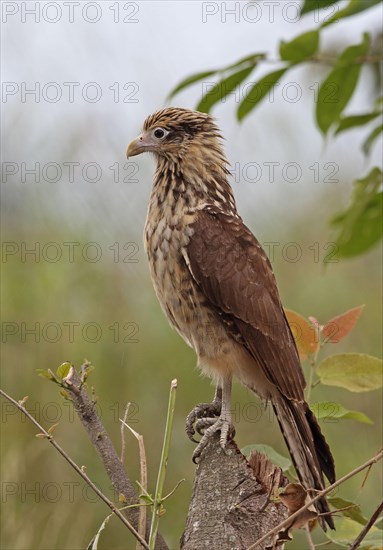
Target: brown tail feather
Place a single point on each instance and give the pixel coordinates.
(325, 457)
(308, 448)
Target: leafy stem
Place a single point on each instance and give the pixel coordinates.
(313, 362)
(157, 501)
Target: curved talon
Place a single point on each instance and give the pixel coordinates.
(201, 411)
(227, 433)
(189, 427)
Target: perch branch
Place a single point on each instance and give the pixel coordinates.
(231, 505)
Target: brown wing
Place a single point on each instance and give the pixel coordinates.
(234, 273)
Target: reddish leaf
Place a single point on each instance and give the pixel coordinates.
(337, 328)
(306, 337)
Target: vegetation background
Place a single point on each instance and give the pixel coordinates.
(117, 322)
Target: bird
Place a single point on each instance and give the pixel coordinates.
(217, 289)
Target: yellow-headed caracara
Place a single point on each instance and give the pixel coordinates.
(217, 289)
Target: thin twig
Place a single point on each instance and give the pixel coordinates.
(173, 490)
(77, 468)
(310, 382)
(320, 59)
(313, 363)
(367, 527)
(357, 61)
(308, 537)
(143, 478)
(320, 494)
(144, 482)
(123, 424)
(163, 465)
(365, 478)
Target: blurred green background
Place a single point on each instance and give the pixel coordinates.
(99, 303)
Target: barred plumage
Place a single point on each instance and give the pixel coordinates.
(217, 288)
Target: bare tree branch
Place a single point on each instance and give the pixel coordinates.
(101, 441)
(77, 468)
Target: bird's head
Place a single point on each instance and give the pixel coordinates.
(191, 163)
(174, 133)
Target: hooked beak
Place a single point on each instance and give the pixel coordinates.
(140, 145)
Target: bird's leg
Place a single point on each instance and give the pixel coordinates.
(223, 424)
(204, 414)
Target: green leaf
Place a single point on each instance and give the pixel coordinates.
(247, 60)
(331, 412)
(311, 5)
(146, 498)
(355, 120)
(371, 139)
(277, 459)
(300, 48)
(86, 369)
(63, 370)
(258, 92)
(251, 59)
(190, 80)
(47, 374)
(360, 225)
(44, 373)
(352, 8)
(356, 372)
(338, 88)
(347, 530)
(222, 89)
(353, 513)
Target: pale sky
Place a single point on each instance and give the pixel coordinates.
(159, 44)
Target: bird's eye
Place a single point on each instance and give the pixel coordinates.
(159, 133)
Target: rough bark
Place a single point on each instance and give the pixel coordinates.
(230, 507)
